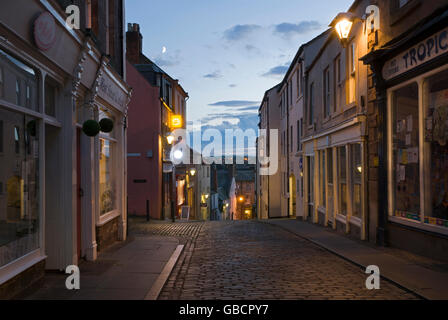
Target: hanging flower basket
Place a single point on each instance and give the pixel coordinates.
(106, 125)
(91, 128)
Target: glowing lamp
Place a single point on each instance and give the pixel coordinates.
(241, 199)
(170, 139)
(192, 172)
(176, 121)
(343, 25)
(178, 154)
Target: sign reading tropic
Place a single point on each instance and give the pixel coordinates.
(430, 48)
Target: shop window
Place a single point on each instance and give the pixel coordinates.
(342, 172)
(310, 179)
(356, 168)
(19, 171)
(322, 178)
(107, 177)
(14, 74)
(50, 98)
(330, 189)
(436, 152)
(406, 152)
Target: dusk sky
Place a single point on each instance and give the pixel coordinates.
(227, 53)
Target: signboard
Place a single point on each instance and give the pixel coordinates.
(176, 121)
(45, 31)
(425, 51)
(185, 213)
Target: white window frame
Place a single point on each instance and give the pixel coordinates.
(419, 80)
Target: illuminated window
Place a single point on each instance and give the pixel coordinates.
(107, 177)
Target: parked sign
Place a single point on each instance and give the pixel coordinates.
(423, 52)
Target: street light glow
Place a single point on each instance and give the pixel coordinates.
(178, 154)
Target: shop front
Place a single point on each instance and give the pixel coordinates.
(335, 179)
(62, 192)
(415, 78)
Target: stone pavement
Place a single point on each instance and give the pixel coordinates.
(240, 260)
(425, 277)
(126, 271)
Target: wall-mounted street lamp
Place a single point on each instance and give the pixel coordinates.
(344, 22)
(170, 138)
(241, 199)
(192, 172)
(206, 196)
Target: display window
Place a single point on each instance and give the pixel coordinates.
(19, 186)
(436, 144)
(418, 143)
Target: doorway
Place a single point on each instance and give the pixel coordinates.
(292, 196)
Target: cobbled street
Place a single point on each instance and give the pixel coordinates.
(253, 260)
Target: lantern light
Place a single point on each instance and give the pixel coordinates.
(170, 139)
(343, 25)
(192, 172)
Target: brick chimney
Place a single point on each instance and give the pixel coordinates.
(134, 41)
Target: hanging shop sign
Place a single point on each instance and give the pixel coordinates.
(425, 51)
(45, 31)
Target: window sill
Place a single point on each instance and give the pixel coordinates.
(419, 225)
(356, 221)
(341, 218)
(107, 217)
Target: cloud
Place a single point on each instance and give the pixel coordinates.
(234, 103)
(232, 85)
(240, 31)
(214, 75)
(168, 60)
(277, 71)
(287, 29)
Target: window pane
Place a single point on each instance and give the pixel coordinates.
(50, 99)
(15, 75)
(342, 165)
(437, 101)
(406, 150)
(19, 180)
(107, 178)
(323, 178)
(356, 165)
